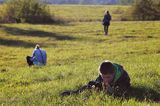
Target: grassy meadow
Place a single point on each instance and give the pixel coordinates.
(74, 52)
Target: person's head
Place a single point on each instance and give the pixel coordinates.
(106, 12)
(37, 46)
(106, 70)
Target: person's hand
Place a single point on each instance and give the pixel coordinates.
(91, 84)
(108, 88)
(95, 85)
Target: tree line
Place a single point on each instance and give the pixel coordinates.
(103, 2)
(88, 1)
(36, 11)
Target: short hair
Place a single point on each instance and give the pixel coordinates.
(106, 12)
(37, 46)
(106, 68)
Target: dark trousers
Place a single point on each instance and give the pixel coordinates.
(29, 62)
(106, 29)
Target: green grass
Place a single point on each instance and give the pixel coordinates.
(74, 52)
(87, 12)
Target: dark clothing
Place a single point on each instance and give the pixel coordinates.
(120, 86)
(106, 20)
(106, 23)
(106, 29)
(29, 61)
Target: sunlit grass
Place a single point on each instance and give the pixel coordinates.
(87, 12)
(74, 52)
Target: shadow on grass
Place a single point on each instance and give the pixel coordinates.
(16, 43)
(142, 93)
(35, 33)
(132, 37)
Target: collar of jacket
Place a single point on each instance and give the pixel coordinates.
(118, 72)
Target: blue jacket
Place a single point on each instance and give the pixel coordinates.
(39, 57)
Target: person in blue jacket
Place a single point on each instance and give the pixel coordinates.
(39, 57)
(106, 21)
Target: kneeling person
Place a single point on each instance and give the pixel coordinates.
(39, 57)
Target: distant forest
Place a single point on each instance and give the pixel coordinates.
(103, 2)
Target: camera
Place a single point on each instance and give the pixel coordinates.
(95, 84)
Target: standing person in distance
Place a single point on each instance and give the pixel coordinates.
(106, 21)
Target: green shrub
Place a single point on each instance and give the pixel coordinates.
(29, 11)
(146, 10)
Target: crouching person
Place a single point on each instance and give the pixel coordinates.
(112, 79)
(39, 57)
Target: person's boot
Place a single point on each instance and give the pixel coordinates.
(106, 33)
